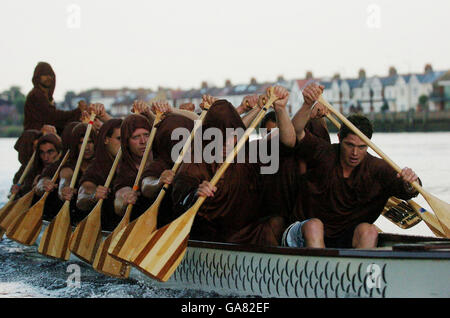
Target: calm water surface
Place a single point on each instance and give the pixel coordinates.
(22, 274)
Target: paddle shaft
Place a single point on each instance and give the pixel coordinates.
(24, 174)
(179, 160)
(82, 149)
(230, 157)
(148, 146)
(112, 172)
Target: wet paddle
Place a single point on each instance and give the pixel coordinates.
(27, 226)
(167, 245)
(103, 262)
(13, 208)
(55, 240)
(439, 207)
(135, 236)
(87, 236)
(426, 216)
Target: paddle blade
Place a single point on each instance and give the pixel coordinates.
(166, 247)
(106, 264)
(86, 238)
(21, 206)
(441, 209)
(129, 242)
(429, 219)
(25, 229)
(400, 213)
(4, 211)
(55, 240)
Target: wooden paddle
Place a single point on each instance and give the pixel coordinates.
(88, 234)
(13, 208)
(167, 246)
(440, 208)
(136, 235)
(429, 219)
(426, 216)
(55, 240)
(103, 262)
(26, 228)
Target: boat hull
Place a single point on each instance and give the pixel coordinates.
(237, 270)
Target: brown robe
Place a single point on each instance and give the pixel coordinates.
(162, 159)
(99, 169)
(343, 203)
(235, 213)
(39, 110)
(280, 190)
(128, 166)
(53, 204)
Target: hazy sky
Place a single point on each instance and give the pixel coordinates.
(112, 44)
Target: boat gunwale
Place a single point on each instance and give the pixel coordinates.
(333, 252)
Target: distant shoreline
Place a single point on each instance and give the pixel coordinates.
(383, 122)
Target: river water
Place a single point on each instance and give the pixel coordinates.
(23, 274)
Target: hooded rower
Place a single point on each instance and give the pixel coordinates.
(232, 211)
(40, 106)
(92, 181)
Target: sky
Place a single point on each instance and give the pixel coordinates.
(180, 44)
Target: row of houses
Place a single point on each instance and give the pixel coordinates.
(393, 93)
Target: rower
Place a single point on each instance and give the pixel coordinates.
(65, 192)
(40, 107)
(159, 170)
(232, 211)
(93, 179)
(345, 188)
(25, 146)
(44, 182)
(134, 133)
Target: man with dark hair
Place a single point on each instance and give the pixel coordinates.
(269, 121)
(345, 188)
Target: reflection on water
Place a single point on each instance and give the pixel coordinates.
(23, 274)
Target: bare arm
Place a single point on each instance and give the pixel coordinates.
(64, 191)
(124, 196)
(310, 109)
(86, 196)
(287, 132)
(151, 185)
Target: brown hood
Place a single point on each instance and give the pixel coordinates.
(49, 138)
(99, 169)
(24, 145)
(44, 68)
(78, 132)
